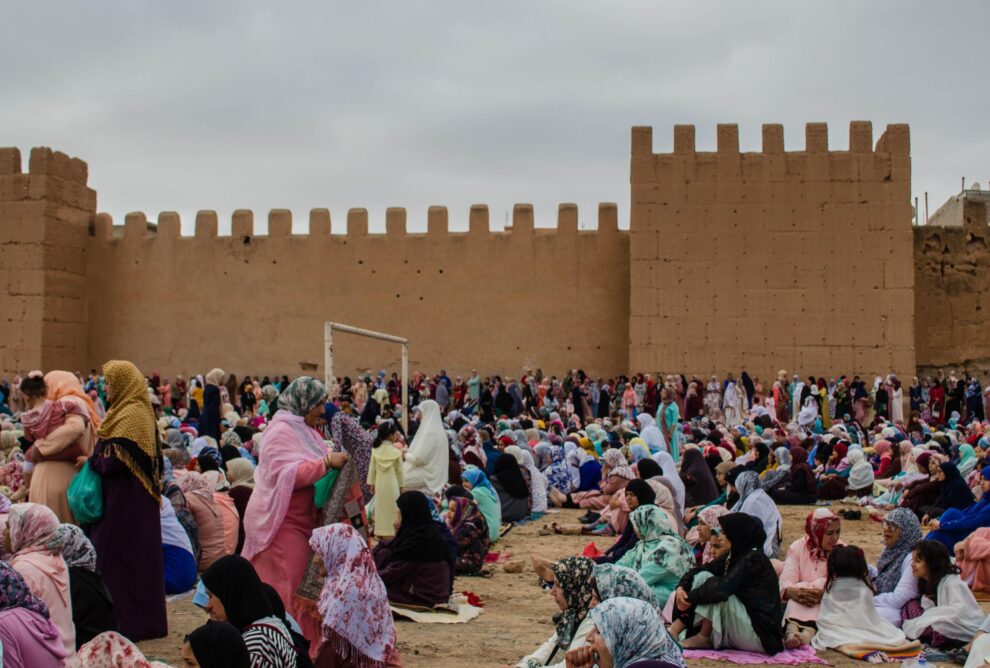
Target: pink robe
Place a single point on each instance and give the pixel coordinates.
(283, 563)
(29, 640)
(803, 571)
(975, 559)
(47, 577)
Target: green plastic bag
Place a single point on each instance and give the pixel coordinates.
(86, 496)
(323, 488)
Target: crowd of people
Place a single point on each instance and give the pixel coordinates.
(301, 514)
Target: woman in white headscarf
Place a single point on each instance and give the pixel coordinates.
(650, 432)
(426, 466)
(808, 413)
(730, 404)
(860, 481)
(754, 501)
(666, 463)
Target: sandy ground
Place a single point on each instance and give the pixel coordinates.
(517, 613)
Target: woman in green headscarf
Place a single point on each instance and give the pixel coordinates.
(660, 556)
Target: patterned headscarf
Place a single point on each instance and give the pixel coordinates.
(131, 417)
(348, 436)
(14, 592)
(302, 395)
(891, 559)
(614, 459)
(74, 546)
(816, 524)
(659, 542)
(710, 517)
(4, 504)
(573, 575)
(357, 620)
(32, 526)
(613, 581)
(633, 631)
(747, 483)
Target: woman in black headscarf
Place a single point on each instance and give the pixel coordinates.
(745, 580)
(512, 489)
(954, 493)
(236, 595)
(638, 493)
(648, 468)
(762, 460)
(417, 566)
(699, 484)
(216, 645)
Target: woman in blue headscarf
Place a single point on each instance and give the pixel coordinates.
(484, 495)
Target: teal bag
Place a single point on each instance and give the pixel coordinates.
(323, 488)
(86, 496)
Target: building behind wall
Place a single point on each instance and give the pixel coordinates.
(802, 260)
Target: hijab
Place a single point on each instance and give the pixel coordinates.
(744, 532)
(15, 593)
(510, 477)
(302, 395)
(666, 463)
(710, 516)
(233, 580)
(77, 550)
(240, 473)
(419, 538)
(967, 461)
(694, 470)
(633, 632)
(131, 417)
(215, 377)
(648, 468)
(815, 526)
(573, 576)
(613, 581)
(219, 645)
(861, 471)
(955, 493)
(32, 527)
(476, 478)
(642, 491)
(427, 461)
(891, 559)
(659, 543)
(353, 605)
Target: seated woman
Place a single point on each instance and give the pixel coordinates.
(355, 616)
(92, 607)
(476, 482)
(240, 473)
(973, 559)
(802, 581)
(894, 581)
(209, 522)
(625, 632)
(860, 481)
(708, 534)
(29, 531)
(779, 475)
(800, 487)
(660, 556)
(733, 602)
(699, 484)
(596, 498)
(216, 645)
(572, 591)
(954, 493)
(754, 501)
(512, 489)
(470, 531)
(955, 525)
(178, 558)
(217, 481)
(638, 493)
(922, 494)
(417, 566)
(236, 596)
(833, 482)
(947, 615)
(29, 638)
(848, 620)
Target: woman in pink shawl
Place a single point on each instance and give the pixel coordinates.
(357, 626)
(30, 528)
(281, 515)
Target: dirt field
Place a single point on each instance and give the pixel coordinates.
(517, 613)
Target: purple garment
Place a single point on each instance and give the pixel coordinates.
(29, 640)
(349, 437)
(128, 542)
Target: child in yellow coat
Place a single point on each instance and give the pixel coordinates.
(385, 478)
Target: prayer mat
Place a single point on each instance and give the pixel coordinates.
(458, 611)
(789, 657)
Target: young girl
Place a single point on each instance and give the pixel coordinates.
(947, 613)
(385, 478)
(848, 620)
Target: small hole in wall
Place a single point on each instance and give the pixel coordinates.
(274, 261)
(396, 295)
(247, 241)
(360, 261)
(977, 308)
(441, 271)
(373, 271)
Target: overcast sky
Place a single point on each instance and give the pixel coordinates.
(248, 104)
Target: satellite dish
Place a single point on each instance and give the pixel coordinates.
(976, 186)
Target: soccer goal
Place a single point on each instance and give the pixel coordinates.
(331, 379)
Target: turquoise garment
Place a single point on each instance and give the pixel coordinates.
(671, 417)
(492, 510)
(660, 556)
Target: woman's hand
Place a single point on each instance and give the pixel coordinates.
(681, 600)
(335, 460)
(934, 525)
(80, 461)
(582, 657)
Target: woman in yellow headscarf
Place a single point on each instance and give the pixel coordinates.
(128, 537)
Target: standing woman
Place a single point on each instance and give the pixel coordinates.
(426, 465)
(668, 418)
(209, 423)
(281, 514)
(128, 538)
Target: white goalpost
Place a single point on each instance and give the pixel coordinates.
(331, 380)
